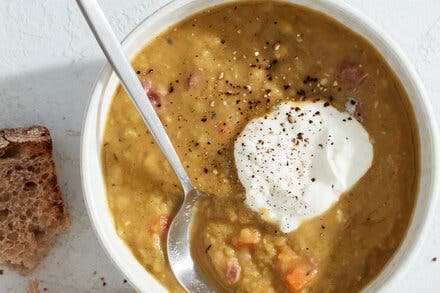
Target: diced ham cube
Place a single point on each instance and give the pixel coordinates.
(191, 80)
(233, 270)
(153, 95)
(351, 72)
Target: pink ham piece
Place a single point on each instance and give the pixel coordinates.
(153, 95)
(233, 270)
(191, 80)
(351, 72)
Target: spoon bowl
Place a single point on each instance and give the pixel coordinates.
(179, 250)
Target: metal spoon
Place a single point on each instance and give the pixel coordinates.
(178, 246)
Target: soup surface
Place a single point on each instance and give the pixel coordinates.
(208, 76)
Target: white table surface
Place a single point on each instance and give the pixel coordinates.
(48, 63)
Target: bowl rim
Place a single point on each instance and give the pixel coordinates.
(423, 223)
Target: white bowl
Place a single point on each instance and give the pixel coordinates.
(93, 181)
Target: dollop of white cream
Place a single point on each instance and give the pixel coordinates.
(296, 161)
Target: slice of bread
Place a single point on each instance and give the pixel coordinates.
(32, 210)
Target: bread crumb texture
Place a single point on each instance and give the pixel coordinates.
(32, 210)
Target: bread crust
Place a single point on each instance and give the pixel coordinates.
(32, 209)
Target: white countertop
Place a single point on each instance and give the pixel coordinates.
(48, 63)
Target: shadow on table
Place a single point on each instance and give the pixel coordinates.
(57, 98)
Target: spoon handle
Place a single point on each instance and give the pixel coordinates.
(123, 69)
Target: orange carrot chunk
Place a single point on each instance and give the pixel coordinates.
(301, 277)
(160, 225)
